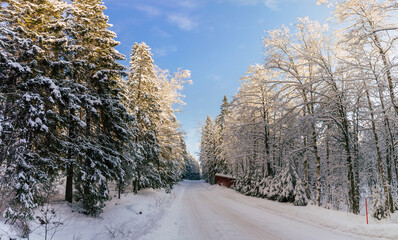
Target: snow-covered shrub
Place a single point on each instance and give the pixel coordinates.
(238, 183)
(288, 187)
(272, 191)
(378, 205)
(300, 197)
(284, 187)
(243, 184)
(256, 185)
(265, 182)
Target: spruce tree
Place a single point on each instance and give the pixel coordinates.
(208, 151)
(222, 165)
(191, 168)
(32, 89)
(100, 157)
(212, 156)
(143, 102)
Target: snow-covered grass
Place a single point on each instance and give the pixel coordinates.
(125, 218)
(134, 216)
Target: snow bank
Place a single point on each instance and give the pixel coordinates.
(342, 221)
(125, 218)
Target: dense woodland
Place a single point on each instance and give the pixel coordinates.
(72, 117)
(317, 122)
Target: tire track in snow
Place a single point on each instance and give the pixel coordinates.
(230, 197)
(242, 222)
(201, 212)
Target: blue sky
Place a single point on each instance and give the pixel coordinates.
(216, 39)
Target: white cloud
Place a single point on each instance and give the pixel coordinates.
(160, 32)
(164, 51)
(182, 21)
(176, 12)
(190, 4)
(272, 4)
(152, 11)
(214, 77)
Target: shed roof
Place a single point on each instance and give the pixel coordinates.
(225, 175)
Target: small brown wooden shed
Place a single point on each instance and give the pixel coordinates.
(225, 180)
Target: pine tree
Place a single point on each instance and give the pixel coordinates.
(33, 88)
(291, 187)
(222, 165)
(20, 176)
(208, 151)
(191, 168)
(99, 157)
(142, 94)
(212, 156)
(224, 111)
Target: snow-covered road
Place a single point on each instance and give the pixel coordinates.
(200, 213)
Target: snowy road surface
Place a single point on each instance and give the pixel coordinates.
(199, 213)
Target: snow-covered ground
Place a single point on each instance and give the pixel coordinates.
(127, 218)
(213, 212)
(196, 210)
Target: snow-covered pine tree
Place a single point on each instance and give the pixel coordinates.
(222, 166)
(19, 179)
(100, 155)
(212, 154)
(32, 81)
(142, 101)
(208, 151)
(287, 187)
(191, 168)
(264, 183)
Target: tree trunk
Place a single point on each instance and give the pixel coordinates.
(119, 189)
(328, 192)
(354, 205)
(310, 110)
(379, 158)
(389, 179)
(69, 168)
(269, 171)
(136, 183)
(69, 184)
(318, 166)
(390, 144)
(356, 152)
(135, 186)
